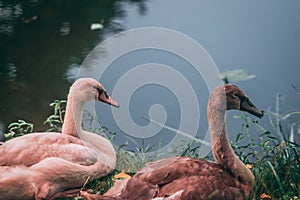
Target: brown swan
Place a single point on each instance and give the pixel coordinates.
(40, 165)
(185, 178)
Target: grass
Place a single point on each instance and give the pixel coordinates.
(275, 161)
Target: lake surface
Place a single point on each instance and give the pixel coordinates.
(43, 44)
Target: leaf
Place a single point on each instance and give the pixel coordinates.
(237, 75)
(13, 124)
(265, 196)
(122, 175)
(249, 166)
(276, 176)
(96, 26)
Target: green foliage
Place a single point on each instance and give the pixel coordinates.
(18, 128)
(275, 163)
(91, 124)
(277, 170)
(134, 160)
(55, 120)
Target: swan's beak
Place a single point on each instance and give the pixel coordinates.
(248, 106)
(104, 97)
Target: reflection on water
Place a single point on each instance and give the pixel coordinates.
(8, 16)
(42, 43)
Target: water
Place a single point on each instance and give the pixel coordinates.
(44, 42)
(35, 57)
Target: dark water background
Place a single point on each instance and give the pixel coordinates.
(38, 56)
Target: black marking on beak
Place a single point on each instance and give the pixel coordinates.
(248, 106)
(100, 91)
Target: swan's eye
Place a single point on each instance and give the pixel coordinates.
(235, 94)
(100, 91)
(94, 87)
(241, 97)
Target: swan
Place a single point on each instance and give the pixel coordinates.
(41, 165)
(185, 178)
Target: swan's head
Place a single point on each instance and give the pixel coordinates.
(88, 89)
(238, 100)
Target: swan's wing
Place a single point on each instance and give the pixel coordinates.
(154, 175)
(42, 164)
(170, 169)
(169, 176)
(201, 187)
(32, 148)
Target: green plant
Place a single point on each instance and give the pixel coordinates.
(275, 162)
(100, 186)
(55, 120)
(277, 170)
(91, 123)
(134, 160)
(18, 128)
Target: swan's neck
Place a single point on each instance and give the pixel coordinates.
(222, 151)
(72, 126)
(73, 117)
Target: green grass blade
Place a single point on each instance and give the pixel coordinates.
(276, 176)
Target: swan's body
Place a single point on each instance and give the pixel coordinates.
(184, 178)
(40, 165)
